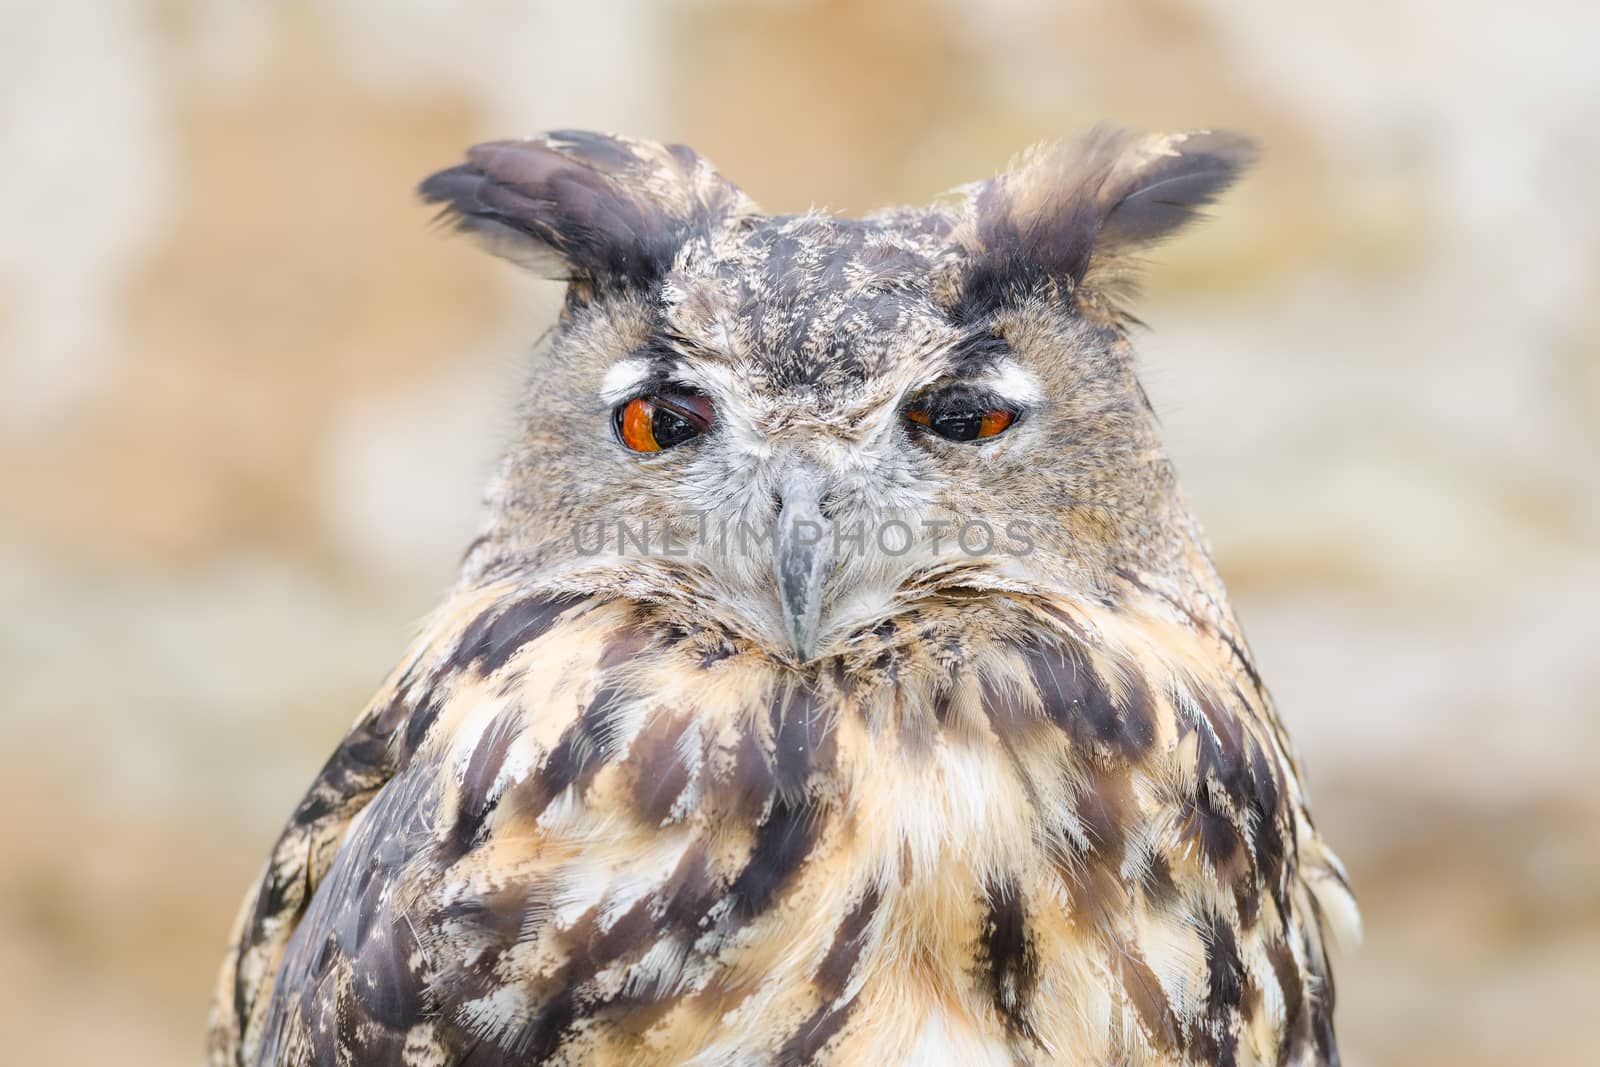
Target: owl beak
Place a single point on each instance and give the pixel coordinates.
(804, 556)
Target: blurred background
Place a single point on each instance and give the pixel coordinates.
(248, 398)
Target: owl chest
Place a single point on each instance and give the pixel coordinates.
(727, 878)
(900, 910)
(873, 913)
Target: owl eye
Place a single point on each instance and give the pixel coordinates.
(656, 423)
(963, 423)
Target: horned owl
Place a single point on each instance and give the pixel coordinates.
(838, 677)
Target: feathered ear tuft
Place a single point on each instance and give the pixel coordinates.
(584, 207)
(1075, 217)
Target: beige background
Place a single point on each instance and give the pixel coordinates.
(248, 396)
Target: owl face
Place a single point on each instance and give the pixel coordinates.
(800, 427)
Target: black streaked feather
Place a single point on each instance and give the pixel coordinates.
(1069, 210)
(1168, 192)
(576, 205)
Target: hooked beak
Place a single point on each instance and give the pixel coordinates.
(803, 556)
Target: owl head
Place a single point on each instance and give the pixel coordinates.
(799, 427)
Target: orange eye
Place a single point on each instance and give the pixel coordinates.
(963, 424)
(656, 423)
(996, 421)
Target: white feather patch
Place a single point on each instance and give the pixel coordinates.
(622, 378)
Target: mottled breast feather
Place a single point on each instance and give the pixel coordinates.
(567, 831)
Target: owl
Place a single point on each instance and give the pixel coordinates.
(838, 676)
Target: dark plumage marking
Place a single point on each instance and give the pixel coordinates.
(660, 774)
(1225, 970)
(831, 977)
(388, 986)
(398, 710)
(598, 150)
(352, 930)
(1267, 832)
(1207, 823)
(1137, 705)
(802, 743)
(1102, 801)
(1041, 227)
(783, 842)
(798, 743)
(1296, 1028)
(576, 195)
(1144, 992)
(689, 891)
(1004, 703)
(501, 631)
(716, 654)
(833, 973)
(1077, 699)
(478, 798)
(813, 1034)
(419, 723)
(272, 898)
(677, 909)
(493, 924)
(1322, 1024)
(1234, 815)
(585, 744)
(1015, 258)
(576, 758)
(361, 762)
(352, 775)
(1168, 191)
(1213, 1038)
(539, 1038)
(632, 931)
(747, 786)
(886, 661)
(1007, 957)
(1209, 1045)
(488, 757)
(802, 738)
(711, 644)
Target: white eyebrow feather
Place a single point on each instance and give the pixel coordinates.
(622, 378)
(1013, 382)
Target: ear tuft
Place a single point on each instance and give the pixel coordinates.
(1074, 217)
(1160, 184)
(579, 206)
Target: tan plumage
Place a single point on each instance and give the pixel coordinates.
(616, 808)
